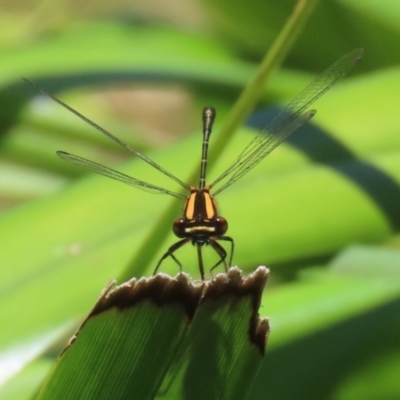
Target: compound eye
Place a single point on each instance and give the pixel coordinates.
(221, 226)
(179, 227)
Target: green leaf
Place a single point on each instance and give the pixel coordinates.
(205, 339)
(324, 329)
(371, 262)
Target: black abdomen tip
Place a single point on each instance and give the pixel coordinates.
(208, 118)
(209, 112)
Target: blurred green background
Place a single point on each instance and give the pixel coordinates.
(323, 211)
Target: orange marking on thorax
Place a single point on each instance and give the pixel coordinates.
(190, 205)
(209, 206)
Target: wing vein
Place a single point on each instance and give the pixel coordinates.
(289, 119)
(119, 176)
(111, 136)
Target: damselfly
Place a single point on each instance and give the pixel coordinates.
(200, 223)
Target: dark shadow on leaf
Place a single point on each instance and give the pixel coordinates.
(313, 367)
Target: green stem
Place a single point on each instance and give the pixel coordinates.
(243, 106)
(255, 88)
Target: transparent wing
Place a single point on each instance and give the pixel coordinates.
(287, 121)
(118, 176)
(111, 136)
